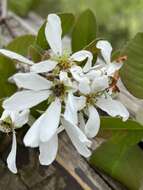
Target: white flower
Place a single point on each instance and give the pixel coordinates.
(108, 66)
(95, 87)
(9, 121)
(36, 90)
(53, 33)
(44, 132)
(72, 92)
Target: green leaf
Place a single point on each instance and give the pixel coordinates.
(7, 69)
(117, 130)
(121, 163)
(7, 66)
(119, 156)
(21, 7)
(132, 70)
(67, 20)
(84, 31)
(21, 44)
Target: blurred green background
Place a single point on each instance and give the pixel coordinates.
(118, 20)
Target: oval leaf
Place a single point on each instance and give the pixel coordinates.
(132, 70)
(84, 31)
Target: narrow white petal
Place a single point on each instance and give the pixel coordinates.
(93, 74)
(53, 33)
(15, 56)
(50, 120)
(113, 107)
(5, 114)
(73, 105)
(81, 56)
(100, 83)
(84, 86)
(20, 118)
(106, 50)
(32, 137)
(83, 81)
(93, 123)
(43, 66)
(48, 150)
(25, 99)
(31, 81)
(112, 68)
(78, 138)
(11, 159)
(65, 79)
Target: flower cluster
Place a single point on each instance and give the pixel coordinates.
(72, 87)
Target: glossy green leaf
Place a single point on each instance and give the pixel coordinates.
(132, 70)
(119, 156)
(67, 20)
(84, 31)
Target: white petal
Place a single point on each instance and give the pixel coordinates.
(81, 56)
(32, 137)
(25, 99)
(4, 115)
(48, 150)
(112, 68)
(43, 66)
(11, 159)
(100, 83)
(83, 81)
(113, 107)
(49, 121)
(73, 105)
(20, 118)
(93, 74)
(93, 123)
(78, 138)
(31, 81)
(13, 55)
(65, 79)
(106, 50)
(53, 33)
(84, 86)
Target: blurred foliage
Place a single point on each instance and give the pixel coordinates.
(118, 21)
(21, 7)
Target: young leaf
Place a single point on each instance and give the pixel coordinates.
(132, 70)
(84, 31)
(67, 20)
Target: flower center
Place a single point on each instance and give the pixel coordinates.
(59, 89)
(64, 64)
(90, 99)
(6, 125)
